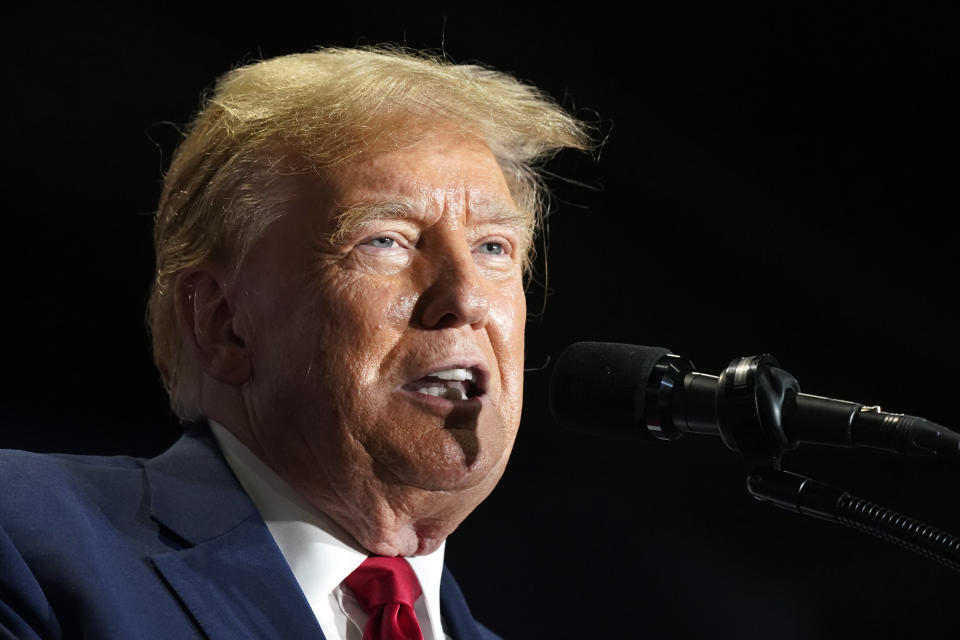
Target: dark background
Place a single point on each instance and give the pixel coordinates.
(775, 179)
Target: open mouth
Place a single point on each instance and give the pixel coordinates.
(451, 384)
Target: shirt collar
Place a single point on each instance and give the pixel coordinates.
(320, 553)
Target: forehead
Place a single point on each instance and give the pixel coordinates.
(449, 173)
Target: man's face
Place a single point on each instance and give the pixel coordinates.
(388, 361)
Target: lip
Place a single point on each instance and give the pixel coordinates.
(483, 374)
(446, 405)
(443, 406)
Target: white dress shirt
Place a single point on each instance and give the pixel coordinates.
(319, 552)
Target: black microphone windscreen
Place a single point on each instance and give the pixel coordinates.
(600, 387)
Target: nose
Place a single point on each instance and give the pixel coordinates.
(456, 295)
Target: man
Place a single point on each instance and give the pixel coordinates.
(339, 309)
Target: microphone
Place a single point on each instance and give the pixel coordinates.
(648, 393)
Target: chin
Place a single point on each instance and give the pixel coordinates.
(416, 539)
(393, 547)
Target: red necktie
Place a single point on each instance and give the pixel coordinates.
(386, 589)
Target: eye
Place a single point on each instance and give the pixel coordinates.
(382, 242)
(491, 249)
(388, 246)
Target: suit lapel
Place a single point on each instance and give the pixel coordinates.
(230, 575)
(239, 586)
(458, 621)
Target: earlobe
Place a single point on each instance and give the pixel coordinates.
(207, 325)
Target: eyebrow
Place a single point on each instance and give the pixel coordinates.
(355, 216)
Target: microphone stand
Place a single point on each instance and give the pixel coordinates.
(751, 398)
(811, 498)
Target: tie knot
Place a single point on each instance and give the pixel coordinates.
(379, 581)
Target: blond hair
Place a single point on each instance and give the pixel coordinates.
(318, 110)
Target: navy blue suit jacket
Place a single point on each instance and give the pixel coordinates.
(170, 547)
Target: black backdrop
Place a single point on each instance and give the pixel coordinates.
(776, 179)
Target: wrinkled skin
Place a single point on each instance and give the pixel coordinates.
(306, 352)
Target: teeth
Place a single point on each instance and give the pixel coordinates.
(454, 374)
(450, 393)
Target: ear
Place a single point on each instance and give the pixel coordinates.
(207, 324)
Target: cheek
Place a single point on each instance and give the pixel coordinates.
(507, 325)
(508, 318)
(400, 310)
(358, 324)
